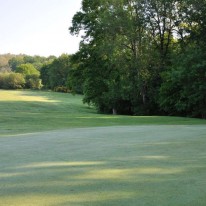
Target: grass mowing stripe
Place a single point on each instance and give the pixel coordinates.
(26, 111)
(161, 164)
(114, 166)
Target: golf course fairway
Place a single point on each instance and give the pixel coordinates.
(55, 151)
(128, 165)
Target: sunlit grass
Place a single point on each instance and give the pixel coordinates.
(85, 199)
(112, 166)
(26, 111)
(60, 164)
(55, 151)
(23, 96)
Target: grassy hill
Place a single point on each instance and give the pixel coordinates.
(94, 159)
(32, 111)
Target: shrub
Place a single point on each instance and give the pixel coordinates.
(62, 89)
(11, 81)
(33, 81)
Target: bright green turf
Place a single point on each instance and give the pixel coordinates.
(156, 161)
(106, 166)
(32, 111)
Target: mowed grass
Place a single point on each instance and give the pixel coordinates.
(55, 151)
(32, 111)
(105, 166)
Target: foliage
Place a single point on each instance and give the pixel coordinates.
(33, 81)
(12, 80)
(59, 70)
(129, 55)
(29, 66)
(183, 89)
(55, 74)
(15, 61)
(61, 89)
(44, 75)
(4, 65)
(31, 75)
(185, 85)
(37, 61)
(113, 46)
(27, 69)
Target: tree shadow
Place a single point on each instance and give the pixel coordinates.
(105, 167)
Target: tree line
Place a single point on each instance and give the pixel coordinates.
(34, 72)
(136, 57)
(142, 57)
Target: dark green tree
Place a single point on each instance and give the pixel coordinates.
(14, 62)
(184, 87)
(44, 76)
(130, 52)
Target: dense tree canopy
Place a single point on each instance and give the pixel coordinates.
(139, 57)
(136, 56)
(55, 74)
(26, 69)
(14, 68)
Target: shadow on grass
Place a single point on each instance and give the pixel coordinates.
(25, 117)
(29, 116)
(95, 168)
(99, 184)
(30, 111)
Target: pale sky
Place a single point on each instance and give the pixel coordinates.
(37, 27)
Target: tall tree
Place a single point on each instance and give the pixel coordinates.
(128, 46)
(183, 90)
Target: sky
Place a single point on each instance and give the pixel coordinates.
(38, 27)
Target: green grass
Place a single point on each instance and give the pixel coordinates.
(55, 151)
(105, 166)
(33, 111)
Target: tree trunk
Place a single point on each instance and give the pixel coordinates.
(114, 111)
(144, 98)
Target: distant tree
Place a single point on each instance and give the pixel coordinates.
(75, 78)
(5, 69)
(4, 65)
(33, 81)
(12, 81)
(55, 72)
(27, 69)
(29, 59)
(14, 62)
(3, 61)
(44, 75)
(59, 71)
(29, 66)
(31, 74)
